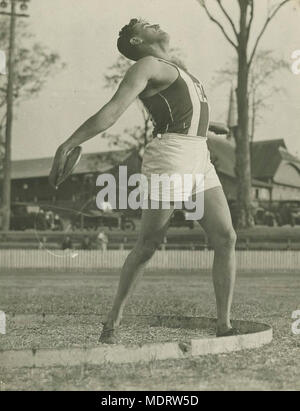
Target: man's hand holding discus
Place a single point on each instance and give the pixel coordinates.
(64, 163)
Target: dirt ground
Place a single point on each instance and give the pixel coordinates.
(85, 298)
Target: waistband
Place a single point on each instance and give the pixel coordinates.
(181, 136)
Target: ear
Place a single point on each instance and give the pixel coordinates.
(135, 41)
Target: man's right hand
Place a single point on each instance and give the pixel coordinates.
(58, 166)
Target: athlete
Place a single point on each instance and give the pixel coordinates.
(179, 109)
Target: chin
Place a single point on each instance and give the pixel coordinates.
(165, 37)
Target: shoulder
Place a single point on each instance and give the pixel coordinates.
(147, 61)
(148, 65)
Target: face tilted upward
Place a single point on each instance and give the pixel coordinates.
(150, 33)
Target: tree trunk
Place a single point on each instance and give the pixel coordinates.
(253, 117)
(6, 201)
(243, 166)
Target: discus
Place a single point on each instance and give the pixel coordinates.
(73, 158)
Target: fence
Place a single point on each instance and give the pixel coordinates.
(84, 261)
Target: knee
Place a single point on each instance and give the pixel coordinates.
(225, 240)
(145, 248)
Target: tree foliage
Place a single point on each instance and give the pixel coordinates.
(33, 64)
(262, 82)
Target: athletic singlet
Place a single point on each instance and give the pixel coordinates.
(181, 108)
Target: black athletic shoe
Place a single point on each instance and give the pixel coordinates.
(229, 333)
(108, 335)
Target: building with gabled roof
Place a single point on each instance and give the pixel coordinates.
(90, 162)
(30, 177)
(272, 163)
(275, 171)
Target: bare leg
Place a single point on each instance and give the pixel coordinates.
(217, 224)
(154, 224)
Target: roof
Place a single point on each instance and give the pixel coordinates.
(90, 162)
(258, 183)
(223, 157)
(285, 155)
(266, 157)
(222, 154)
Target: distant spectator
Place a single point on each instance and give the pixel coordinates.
(42, 243)
(67, 243)
(86, 243)
(41, 222)
(293, 218)
(102, 240)
(106, 207)
(269, 218)
(57, 223)
(49, 219)
(285, 214)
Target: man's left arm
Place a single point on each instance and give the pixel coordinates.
(218, 128)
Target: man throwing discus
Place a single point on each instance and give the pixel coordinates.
(179, 109)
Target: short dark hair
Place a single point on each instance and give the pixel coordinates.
(124, 46)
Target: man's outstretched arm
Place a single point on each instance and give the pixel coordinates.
(132, 85)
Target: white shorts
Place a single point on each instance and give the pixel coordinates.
(173, 157)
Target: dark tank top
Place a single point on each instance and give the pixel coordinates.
(181, 108)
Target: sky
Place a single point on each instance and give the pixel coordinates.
(84, 33)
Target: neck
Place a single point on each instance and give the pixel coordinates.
(160, 51)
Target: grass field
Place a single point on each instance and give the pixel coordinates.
(269, 298)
